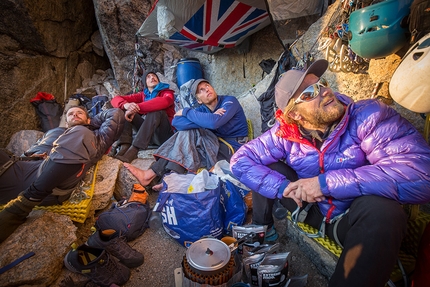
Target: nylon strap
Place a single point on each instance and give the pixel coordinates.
(8, 164)
(16, 262)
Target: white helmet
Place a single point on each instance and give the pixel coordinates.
(410, 84)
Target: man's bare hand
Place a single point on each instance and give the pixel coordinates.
(129, 116)
(40, 155)
(306, 189)
(178, 113)
(220, 111)
(132, 107)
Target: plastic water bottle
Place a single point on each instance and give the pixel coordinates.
(155, 221)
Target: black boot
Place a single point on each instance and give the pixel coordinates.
(123, 148)
(113, 149)
(14, 214)
(130, 155)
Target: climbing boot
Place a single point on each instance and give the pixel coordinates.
(117, 246)
(129, 155)
(14, 214)
(123, 148)
(98, 265)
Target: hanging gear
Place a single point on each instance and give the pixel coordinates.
(419, 19)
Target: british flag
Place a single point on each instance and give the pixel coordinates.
(218, 24)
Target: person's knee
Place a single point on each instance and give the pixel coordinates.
(155, 114)
(380, 210)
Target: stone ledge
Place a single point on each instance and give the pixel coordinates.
(323, 259)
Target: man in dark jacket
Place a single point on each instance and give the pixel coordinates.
(341, 166)
(150, 113)
(65, 157)
(206, 134)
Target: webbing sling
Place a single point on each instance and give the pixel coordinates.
(8, 164)
(14, 159)
(16, 262)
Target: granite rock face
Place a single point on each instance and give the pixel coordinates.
(41, 45)
(47, 234)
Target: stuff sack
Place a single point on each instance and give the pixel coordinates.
(267, 99)
(97, 103)
(419, 19)
(232, 197)
(190, 206)
(130, 219)
(185, 98)
(48, 110)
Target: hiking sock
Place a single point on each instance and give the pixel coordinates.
(129, 155)
(14, 214)
(271, 234)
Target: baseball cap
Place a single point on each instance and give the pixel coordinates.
(291, 80)
(194, 86)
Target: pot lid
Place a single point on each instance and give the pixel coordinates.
(208, 254)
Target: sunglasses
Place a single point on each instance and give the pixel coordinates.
(311, 92)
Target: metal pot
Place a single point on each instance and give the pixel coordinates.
(208, 256)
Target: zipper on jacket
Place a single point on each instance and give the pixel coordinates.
(321, 167)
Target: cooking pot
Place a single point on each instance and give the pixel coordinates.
(211, 256)
(208, 256)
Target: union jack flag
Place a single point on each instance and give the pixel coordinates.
(218, 24)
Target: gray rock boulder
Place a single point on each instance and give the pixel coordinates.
(47, 234)
(23, 140)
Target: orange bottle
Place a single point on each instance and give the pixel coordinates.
(138, 194)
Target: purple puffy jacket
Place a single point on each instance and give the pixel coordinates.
(372, 151)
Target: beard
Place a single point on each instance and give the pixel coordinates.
(76, 123)
(324, 116)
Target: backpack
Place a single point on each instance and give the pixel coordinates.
(97, 103)
(48, 110)
(419, 19)
(267, 99)
(130, 219)
(83, 100)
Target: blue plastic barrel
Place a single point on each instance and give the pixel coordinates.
(187, 69)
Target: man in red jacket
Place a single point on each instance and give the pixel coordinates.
(150, 112)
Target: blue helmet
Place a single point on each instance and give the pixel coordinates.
(380, 29)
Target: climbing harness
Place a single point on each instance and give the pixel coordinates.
(299, 215)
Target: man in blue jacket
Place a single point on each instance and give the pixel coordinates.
(342, 167)
(205, 135)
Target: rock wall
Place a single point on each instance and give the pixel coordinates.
(62, 48)
(118, 22)
(42, 43)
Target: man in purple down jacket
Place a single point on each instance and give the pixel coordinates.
(345, 168)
